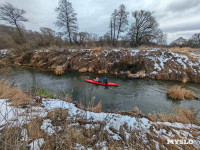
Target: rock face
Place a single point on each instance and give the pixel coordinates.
(156, 63)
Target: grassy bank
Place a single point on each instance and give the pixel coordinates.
(155, 63)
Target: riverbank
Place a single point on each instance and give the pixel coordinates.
(162, 64)
(61, 124)
(42, 123)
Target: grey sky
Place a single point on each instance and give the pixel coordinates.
(176, 17)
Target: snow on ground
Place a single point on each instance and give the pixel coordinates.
(14, 116)
(112, 120)
(4, 51)
(36, 144)
(167, 56)
(134, 52)
(8, 113)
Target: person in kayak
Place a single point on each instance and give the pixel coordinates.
(106, 81)
(97, 79)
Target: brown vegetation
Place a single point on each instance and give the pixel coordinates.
(111, 62)
(178, 93)
(59, 70)
(83, 70)
(16, 96)
(97, 108)
(33, 128)
(185, 80)
(10, 138)
(185, 51)
(141, 74)
(182, 116)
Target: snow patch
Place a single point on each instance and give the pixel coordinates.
(36, 144)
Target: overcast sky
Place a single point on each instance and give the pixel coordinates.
(176, 17)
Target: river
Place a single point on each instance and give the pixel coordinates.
(148, 95)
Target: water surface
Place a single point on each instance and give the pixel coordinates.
(148, 95)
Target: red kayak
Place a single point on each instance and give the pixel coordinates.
(101, 83)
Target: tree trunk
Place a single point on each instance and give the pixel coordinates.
(20, 34)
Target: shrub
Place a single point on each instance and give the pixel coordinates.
(59, 70)
(178, 93)
(185, 79)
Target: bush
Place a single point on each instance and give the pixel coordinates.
(59, 70)
(178, 93)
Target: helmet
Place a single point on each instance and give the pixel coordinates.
(106, 78)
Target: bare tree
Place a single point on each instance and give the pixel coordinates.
(66, 18)
(144, 29)
(161, 39)
(118, 22)
(13, 16)
(81, 38)
(122, 19)
(48, 36)
(113, 26)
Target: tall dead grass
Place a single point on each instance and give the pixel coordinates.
(181, 115)
(33, 128)
(185, 80)
(97, 108)
(186, 51)
(14, 95)
(178, 93)
(10, 138)
(59, 70)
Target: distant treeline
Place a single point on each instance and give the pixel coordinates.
(46, 37)
(143, 30)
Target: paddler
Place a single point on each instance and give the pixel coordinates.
(106, 81)
(97, 79)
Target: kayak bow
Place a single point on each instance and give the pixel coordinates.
(101, 83)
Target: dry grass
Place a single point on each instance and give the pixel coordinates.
(52, 47)
(128, 73)
(186, 51)
(58, 116)
(16, 96)
(185, 80)
(178, 93)
(84, 69)
(10, 139)
(97, 108)
(33, 128)
(145, 47)
(73, 132)
(182, 116)
(97, 51)
(59, 70)
(141, 74)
